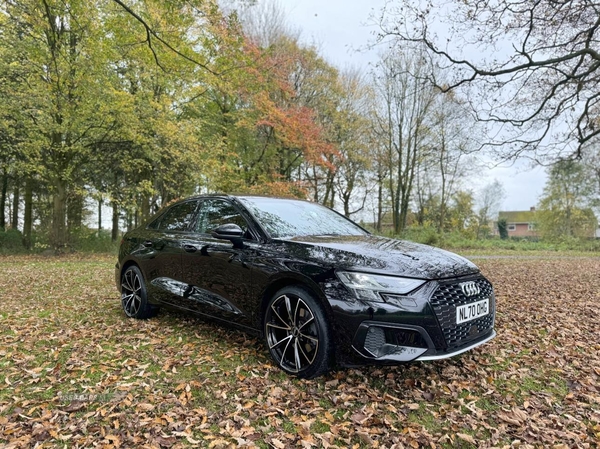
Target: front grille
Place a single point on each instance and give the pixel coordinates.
(444, 301)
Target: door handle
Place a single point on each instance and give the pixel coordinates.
(148, 243)
(190, 248)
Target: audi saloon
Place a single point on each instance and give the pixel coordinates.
(318, 288)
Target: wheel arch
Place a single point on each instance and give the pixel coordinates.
(290, 280)
(128, 264)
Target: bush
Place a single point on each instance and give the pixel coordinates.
(90, 241)
(457, 240)
(503, 228)
(421, 234)
(11, 241)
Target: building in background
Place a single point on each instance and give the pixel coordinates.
(519, 223)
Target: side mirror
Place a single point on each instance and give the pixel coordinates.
(231, 232)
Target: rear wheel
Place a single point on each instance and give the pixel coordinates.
(134, 298)
(297, 332)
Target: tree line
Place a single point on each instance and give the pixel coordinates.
(135, 104)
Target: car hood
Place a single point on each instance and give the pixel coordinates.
(380, 255)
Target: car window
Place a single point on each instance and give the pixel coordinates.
(154, 224)
(291, 218)
(214, 213)
(179, 217)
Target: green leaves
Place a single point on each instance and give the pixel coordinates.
(144, 102)
(564, 210)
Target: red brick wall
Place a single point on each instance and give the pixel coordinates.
(521, 231)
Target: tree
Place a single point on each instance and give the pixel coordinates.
(564, 209)
(354, 139)
(444, 160)
(402, 123)
(489, 201)
(503, 228)
(532, 66)
(461, 212)
(264, 23)
(101, 106)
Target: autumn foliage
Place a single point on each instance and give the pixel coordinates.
(77, 372)
(134, 105)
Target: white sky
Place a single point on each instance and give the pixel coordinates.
(339, 28)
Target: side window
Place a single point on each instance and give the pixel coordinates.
(178, 218)
(214, 213)
(154, 224)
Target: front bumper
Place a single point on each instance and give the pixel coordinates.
(447, 355)
(397, 343)
(420, 326)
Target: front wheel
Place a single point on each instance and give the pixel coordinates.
(134, 297)
(298, 333)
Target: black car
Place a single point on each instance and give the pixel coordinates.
(319, 288)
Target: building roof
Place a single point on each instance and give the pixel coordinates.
(518, 216)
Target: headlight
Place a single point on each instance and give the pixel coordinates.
(367, 286)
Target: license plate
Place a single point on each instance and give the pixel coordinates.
(472, 311)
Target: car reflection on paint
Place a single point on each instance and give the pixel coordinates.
(316, 286)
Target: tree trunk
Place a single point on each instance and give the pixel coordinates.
(59, 215)
(145, 209)
(396, 204)
(3, 200)
(15, 206)
(129, 220)
(392, 189)
(74, 212)
(99, 215)
(444, 186)
(115, 222)
(28, 216)
(316, 178)
(379, 204)
(346, 200)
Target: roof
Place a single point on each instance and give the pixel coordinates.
(518, 216)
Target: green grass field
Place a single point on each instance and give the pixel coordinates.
(75, 372)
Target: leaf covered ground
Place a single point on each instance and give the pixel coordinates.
(75, 372)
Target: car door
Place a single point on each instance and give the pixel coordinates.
(218, 275)
(164, 249)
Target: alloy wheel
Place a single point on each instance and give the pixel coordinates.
(292, 333)
(131, 293)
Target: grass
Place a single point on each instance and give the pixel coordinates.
(467, 243)
(177, 381)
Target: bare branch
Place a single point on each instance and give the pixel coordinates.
(151, 34)
(532, 68)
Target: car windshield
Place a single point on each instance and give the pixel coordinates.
(292, 218)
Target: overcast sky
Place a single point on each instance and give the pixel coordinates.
(339, 28)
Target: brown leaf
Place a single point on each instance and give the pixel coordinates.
(74, 406)
(277, 443)
(359, 418)
(365, 438)
(466, 437)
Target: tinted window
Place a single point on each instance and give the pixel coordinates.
(290, 218)
(178, 218)
(214, 213)
(154, 224)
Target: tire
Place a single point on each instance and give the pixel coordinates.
(298, 333)
(134, 298)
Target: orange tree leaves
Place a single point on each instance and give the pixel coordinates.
(260, 127)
